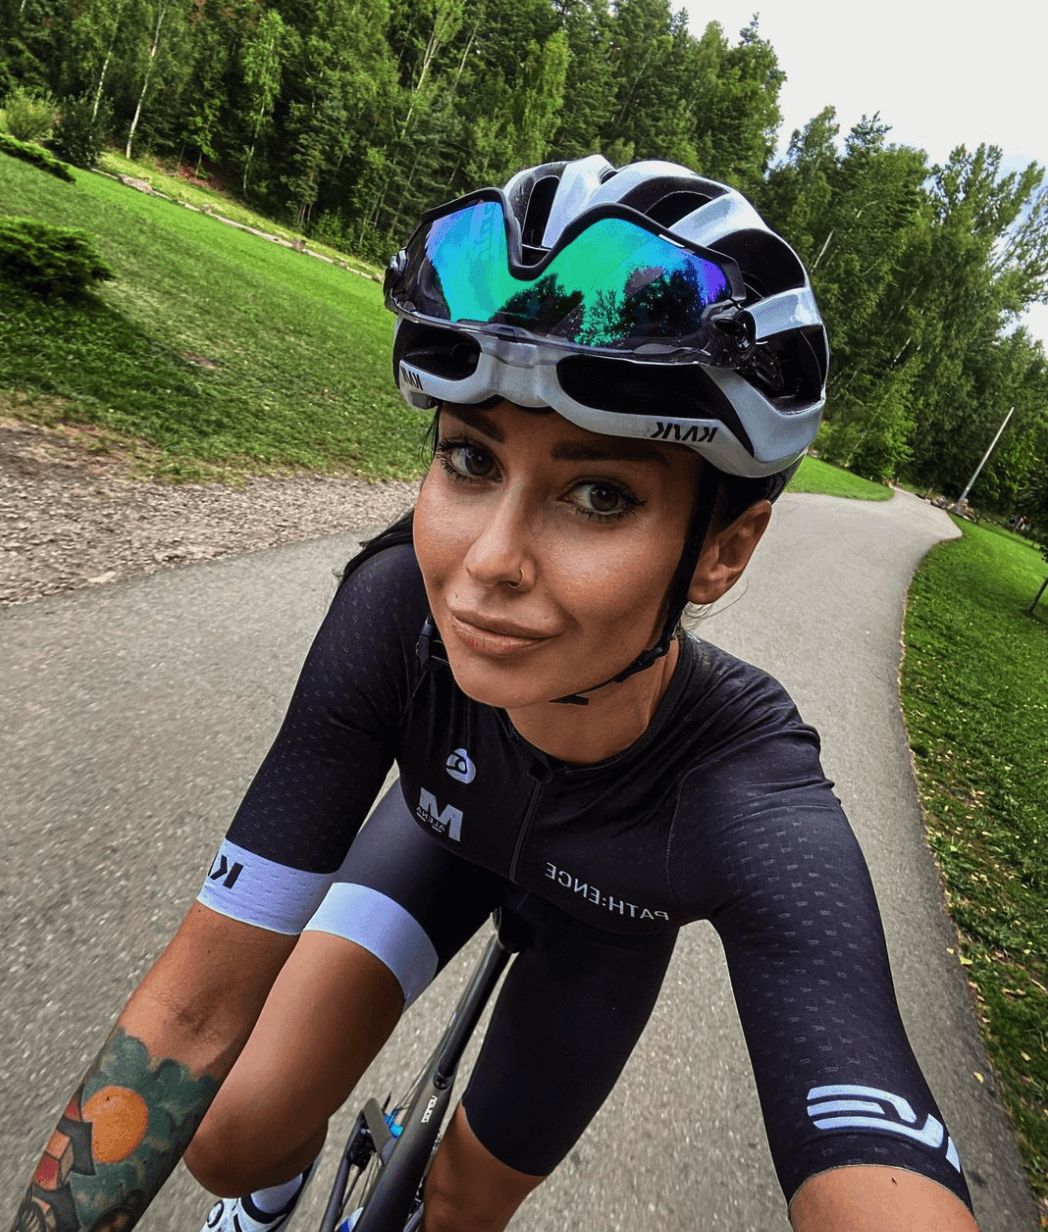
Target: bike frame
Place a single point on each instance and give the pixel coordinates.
(404, 1151)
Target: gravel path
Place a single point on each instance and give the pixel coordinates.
(70, 518)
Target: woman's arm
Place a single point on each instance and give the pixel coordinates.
(146, 1092)
(877, 1199)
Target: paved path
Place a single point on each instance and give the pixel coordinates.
(136, 715)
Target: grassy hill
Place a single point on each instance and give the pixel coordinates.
(221, 351)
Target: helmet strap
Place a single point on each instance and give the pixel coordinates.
(698, 527)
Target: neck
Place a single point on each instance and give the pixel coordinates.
(616, 716)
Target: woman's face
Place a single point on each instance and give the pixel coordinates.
(590, 527)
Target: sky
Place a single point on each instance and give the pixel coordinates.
(940, 74)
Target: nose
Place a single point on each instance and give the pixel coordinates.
(502, 548)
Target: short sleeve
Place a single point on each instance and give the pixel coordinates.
(332, 753)
(763, 848)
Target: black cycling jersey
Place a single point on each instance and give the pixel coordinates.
(720, 811)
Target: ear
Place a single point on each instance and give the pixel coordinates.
(727, 553)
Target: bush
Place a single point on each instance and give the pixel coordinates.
(36, 155)
(81, 132)
(30, 115)
(329, 229)
(49, 260)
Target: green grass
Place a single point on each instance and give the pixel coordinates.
(975, 697)
(299, 348)
(208, 198)
(817, 476)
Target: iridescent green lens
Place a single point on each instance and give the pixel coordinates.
(615, 285)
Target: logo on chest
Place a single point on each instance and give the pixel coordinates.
(446, 820)
(459, 766)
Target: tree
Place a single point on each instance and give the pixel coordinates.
(335, 74)
(167, 28)
(976, 266)
(590, 84)
(96, 42)
(261, 63)
(736, 105)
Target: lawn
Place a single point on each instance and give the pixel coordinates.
(222, 352)
(814, 475)
(975, 698)
(205, 197)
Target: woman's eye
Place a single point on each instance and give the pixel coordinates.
(465, 461)
(605, 500)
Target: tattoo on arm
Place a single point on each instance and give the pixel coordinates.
(117, 1141)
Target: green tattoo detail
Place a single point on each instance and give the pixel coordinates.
(116, 1143)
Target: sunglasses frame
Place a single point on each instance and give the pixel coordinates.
(396, 268)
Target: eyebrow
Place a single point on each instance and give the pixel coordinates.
(617, 449)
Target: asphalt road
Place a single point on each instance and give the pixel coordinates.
(135, 715)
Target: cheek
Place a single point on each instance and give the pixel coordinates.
(434, 550)
(619, 582)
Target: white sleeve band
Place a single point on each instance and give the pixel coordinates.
(257, 891)
(383, 928)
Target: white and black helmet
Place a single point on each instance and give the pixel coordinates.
(738, 373)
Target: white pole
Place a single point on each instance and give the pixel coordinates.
(964, 495)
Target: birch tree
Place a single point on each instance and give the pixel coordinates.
(160, 12)
(261, 65)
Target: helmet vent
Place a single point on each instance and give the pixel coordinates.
(674, 206)
(536, 217)
(778, 266)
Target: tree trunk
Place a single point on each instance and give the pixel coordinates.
(101, 83)
(440, 24)
(1037, 597)
(161, 11)
(822, 251)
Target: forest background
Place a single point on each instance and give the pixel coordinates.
(348, 117)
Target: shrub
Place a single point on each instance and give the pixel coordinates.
(329, 229)
(34, 154)
(30, 115)
(49, 260)
(81, 132)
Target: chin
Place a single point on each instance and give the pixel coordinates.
(502, 689)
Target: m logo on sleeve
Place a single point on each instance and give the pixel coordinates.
(225, 871)
(857, 1107)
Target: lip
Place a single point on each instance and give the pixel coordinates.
(495, 637)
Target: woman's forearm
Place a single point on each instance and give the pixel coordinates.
(121, 1134)
(142, 1098)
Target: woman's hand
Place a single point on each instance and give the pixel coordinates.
(877, 1199)
(143, 1097)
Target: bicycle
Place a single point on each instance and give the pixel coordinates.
(388, 1149)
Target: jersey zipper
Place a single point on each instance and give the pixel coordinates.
(525, 825)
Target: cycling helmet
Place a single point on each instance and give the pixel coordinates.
(647, 302)
(643, 302)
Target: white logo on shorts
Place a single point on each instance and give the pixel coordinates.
(460, 767)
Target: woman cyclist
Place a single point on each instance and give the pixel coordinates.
(625, 367)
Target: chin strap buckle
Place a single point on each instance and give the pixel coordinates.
(428, 639)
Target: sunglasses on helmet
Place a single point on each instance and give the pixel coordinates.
(615, 282)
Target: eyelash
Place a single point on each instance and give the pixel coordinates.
(445, 448)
